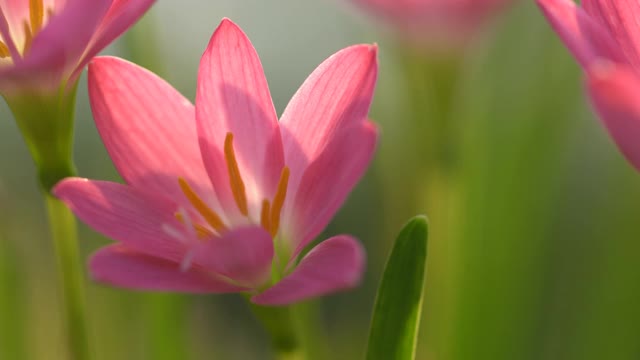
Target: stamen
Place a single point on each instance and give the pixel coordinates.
(278, 200)
(237, 185)
(173, 232)
(264, 215)
(209, 215)
(4, 51)
(201, 231)
(36, 15)
(28, 37)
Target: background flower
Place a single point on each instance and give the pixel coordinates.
(46, 43)
(603, 35)
(441, 22)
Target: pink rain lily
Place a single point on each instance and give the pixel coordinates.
(46, 43)
(223, 197)
(604, 36)
(441, 22)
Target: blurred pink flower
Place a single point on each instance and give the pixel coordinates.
(445, 23)
(223, 197)
(604, 36)
(46, 43)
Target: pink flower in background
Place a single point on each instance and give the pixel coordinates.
(443, 22)
(46, 43)
(604, 36)
(223, 197)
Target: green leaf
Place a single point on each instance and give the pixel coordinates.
(396, 314)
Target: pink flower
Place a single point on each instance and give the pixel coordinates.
(442, 22)
(223, 197)
(46, 43)
(604, 36)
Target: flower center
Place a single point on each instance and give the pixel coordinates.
(30, 27)
(270, 210)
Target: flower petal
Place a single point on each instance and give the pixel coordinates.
(585, 38)
(121, 15)
(615, 93)
(118, 266)
(60, 44)
(148, 129)
(337, 94)
(621, 19)
(243, 255)
(233, 96)
(335, 264)
(125, 214)
(328, 181)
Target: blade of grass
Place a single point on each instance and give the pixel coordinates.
(396, 314)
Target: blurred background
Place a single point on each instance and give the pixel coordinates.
(536, 216)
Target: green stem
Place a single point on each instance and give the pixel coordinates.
(46, 123)
(63, 230)
(435, 138)
(280, 323)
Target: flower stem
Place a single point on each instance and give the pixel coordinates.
(432, 85)
(63, 231)
(281, 325)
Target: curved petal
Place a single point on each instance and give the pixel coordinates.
(243, 255)
(121, 16)
(621, 19)
(335, 264)
(117, 266)
(60, 44)
(585, 38)
(148, 129)
(615, 93)
(233, 96)
(328, 181)
(337, 94)
(125, 214)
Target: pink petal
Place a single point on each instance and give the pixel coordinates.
(121, 16)
(233, 96)
(584, 37)
(337, 94)
(243, 255)
(118, 266)
(335, 264)
(147, 127)
(125, 214)
(615, 92)
(622, 20)
(60, 44)
(328, 181)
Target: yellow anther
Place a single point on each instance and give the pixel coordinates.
(209, 215)
(264, 215)
(235, 180)
(28, 37)
(278, 201)
(4, 51)
(201, 231)
(36, 15)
